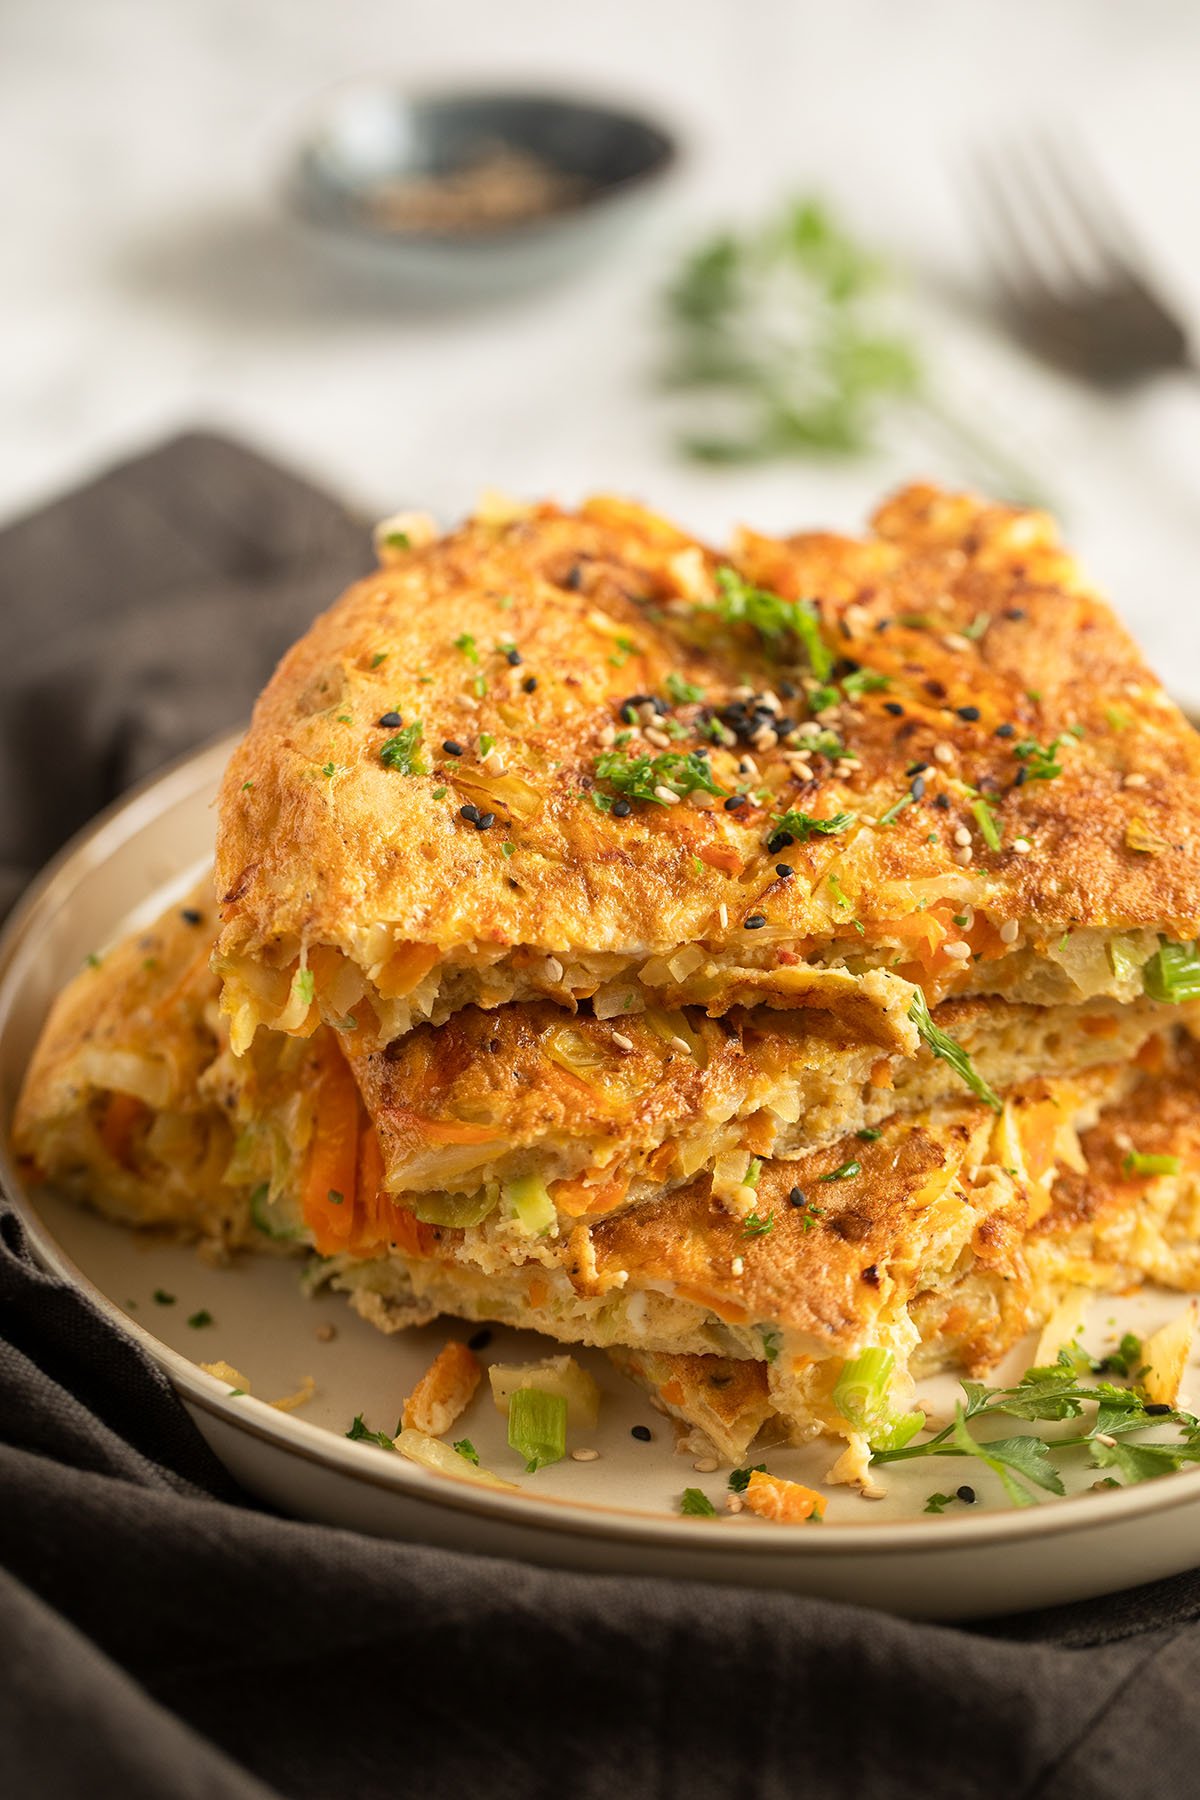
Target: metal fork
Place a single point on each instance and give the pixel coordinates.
(1068, 269)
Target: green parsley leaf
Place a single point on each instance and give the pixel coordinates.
(507, 848)
(985, 818)
(695, 1505)
(380, 656)
(93, 961)
(1008, 1458)
(753, 1226)
(467, 1450)
(1137, 1162)
(335, 1197)
(487, 743)
(739, 1480)
(401, 753)
(466, 643)
(803, 826)
(360, 1435)
(637, 777)
(944, 1046)
(1041, 764)
(773, 618)
(1173, 972)
(844, 1173)
(772, 1341)
(439, 793)
(162, 1298)
(199, 1320)
(865, 681)
(937, 1503)
(683, 693)
(869, 1134)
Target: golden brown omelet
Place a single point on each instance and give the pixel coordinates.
(586, 758)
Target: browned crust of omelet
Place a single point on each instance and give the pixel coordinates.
(318, 838)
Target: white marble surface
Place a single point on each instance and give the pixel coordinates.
(150, 280)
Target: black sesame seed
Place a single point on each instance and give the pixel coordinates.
(894, 707)
(190, 916)
(1014, 612)
(735, 802)
(788, 690)
(642, 1433)
(621, 809)
(1020, 777)
(513, 658)
(754, 921)
(485, 821)
(943, 802)
(917, 768)
(969, 713)
(529, 684)
(917, 790)
(784, 871)
(966, 1495)
(797, 1197)
(779, 842)
(469, 813)
(1005, 731)
(480, 1340)
(1155, 1408)
(390, 720)
(451, 748)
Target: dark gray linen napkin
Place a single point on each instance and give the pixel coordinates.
(162, 1638)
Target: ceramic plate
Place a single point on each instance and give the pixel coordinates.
(617, 1513)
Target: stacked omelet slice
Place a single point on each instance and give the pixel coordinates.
(778, 970)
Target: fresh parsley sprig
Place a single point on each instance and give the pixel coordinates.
(640, 777)
(951, 1052)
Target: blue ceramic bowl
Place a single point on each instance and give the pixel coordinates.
(374, 137)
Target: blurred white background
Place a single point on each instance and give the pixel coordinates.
(152, 282)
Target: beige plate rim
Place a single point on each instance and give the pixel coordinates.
(86, 850)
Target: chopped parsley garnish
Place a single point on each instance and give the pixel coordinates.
(335, 1197)
(1137, 1162)
(479, 687)
(1125, 1360)
(304, 985)
(696, 1505)
(772, 1340)
(893, 812)
(439, 793)
(823, 697)
(466, 643)
(637, 777)
(944, 1046)
(865, 681)
(1173, 972)
(753, 1226)
(93, 961)
(329, 770)
(507, 848)
(803, 826)
(1041, 764)
(683, 693)
(739, 1480)
(397, 540)
(360, 1435)
(937, 1503)
(487, 743)
(989, 828)
(467, 1451)
(843, 1173)
(380, 656)
(162, 1298)
(199, 1320)
(773, 618)
(402, 752)
(246, 786)
(869, 1134)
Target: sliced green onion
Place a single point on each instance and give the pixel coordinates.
(844, 1172)
(457, 1210)
(1139, 1163)
(260, 1216)
(467, 1451)
(531, 1203)
(985, 818)
(697, 1505)
(861, 1394)
(1173, 973)
(893, 812)
(537, 1427)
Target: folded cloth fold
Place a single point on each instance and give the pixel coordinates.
(162, 1636)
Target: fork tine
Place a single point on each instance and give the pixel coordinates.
(1075, 258)
(1088, 204)
(1006, 239)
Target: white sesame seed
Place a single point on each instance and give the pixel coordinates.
(701, 801)
(1133, 689)
(678, 1043)
(738, 1266)
(666, 795)
(958, 952)
(554, 969)
(705, 1465)
(1010, 931)
(1022, 846)
(953, 640)
(647, 712)
(608, 737)
(809, 728)
(943, 753)
(1136, 781)
(493, 762)
(621, 1041)
(963, 855)
(659, 739)
(766, 739)
(734, 1503)
(1106, 1438)
(961, 835)
(723, 915)
(742, 693)
(770, 699)
(585, 1455)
